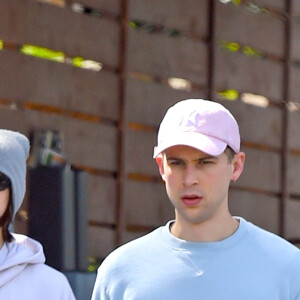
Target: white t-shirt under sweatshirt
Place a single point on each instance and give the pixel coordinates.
(251, 264)
(24, 276)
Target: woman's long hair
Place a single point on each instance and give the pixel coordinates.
(6, 219)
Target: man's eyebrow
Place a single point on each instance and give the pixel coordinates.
(173, 158)
(197, 159)
(206, 157)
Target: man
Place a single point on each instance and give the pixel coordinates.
(205, 253)
(23, 273)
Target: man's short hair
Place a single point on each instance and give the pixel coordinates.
(230, 154)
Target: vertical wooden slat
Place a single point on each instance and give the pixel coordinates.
(285, 119)
(120, 220)
(211, 49)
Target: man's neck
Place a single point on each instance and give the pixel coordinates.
(205, 231)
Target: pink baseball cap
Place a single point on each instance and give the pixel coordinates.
(205, 125)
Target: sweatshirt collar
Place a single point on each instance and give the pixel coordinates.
(228, 242)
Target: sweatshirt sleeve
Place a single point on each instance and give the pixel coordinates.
(99, 291)
(294, 277)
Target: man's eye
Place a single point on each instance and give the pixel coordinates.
(175, 162)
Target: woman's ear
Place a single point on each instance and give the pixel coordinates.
(238, 165)
(160, 162)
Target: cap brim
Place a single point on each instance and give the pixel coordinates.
(204, 143)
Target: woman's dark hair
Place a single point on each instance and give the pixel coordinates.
(6, 219)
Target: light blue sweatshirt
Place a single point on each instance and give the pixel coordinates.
(251, 264)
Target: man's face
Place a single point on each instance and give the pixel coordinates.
(197, 184)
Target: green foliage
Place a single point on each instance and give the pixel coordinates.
(41, 52)
(229, 94)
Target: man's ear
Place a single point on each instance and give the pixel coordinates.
(238, 165)
(160, 162)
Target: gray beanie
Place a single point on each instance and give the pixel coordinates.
(14, 150)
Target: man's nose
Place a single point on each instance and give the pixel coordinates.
(190, 176)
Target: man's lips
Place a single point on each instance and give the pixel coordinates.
(191, 200)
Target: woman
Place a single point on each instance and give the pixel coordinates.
(23, 273)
